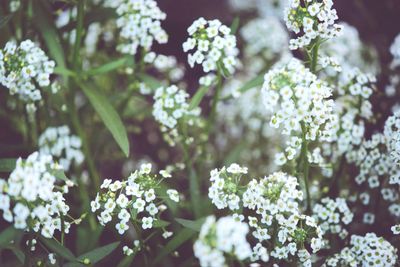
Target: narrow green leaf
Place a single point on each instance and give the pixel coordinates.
(198, 96)
(95, 255)
(109, 116)
(160, 223)
(64, 71)
(57, 248)
(8, 235)
(19, 254)
(183, 235)
(194, 225)
(257, 81)
(4, 20)
(127, 261)
(150, 81)
(7, 165)
(45, 25)
(234, 154)
(113, 65)
(235, 25)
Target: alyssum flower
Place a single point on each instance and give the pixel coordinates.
(32, 200)
(311, 19)
(214, 46)
(24, 69)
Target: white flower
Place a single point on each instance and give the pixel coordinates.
(173, 195)
(121, 227)
(213, 44)
(147, 223)
(318, 20)
(230, 238)
(140, 25)
(21, 67)
(59, 143)
(127, 251)
(52, 258)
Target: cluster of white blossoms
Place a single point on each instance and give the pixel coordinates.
(331, 214)
(368, 250)
(271, 207)
(395, 51)
(276, 200)
(265, 8)
(225, 236)
(59, 143)
(265, 37)
(30, 198)
(301, 106)
(311, 19)
(171, 107)
(214, 46)
(132, 200)
(167, 65)
(223, 191)
(140, 24)
(392, 134)
(350, 51)
(23, 68)
(353, 109)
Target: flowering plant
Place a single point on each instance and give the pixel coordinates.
(272, 139)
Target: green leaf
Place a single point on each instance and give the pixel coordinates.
(60, 174)
(4, 20)
(183, 236)
(198, 96)
(109, 116)
(235, 25)
(194, 225)
(7, 165)
(8, 235)
(126, 262)
(95, 255)
(257, 81)
(151, 82)
(45, 25)
(19, 254)
(57, 248)
(160, 223)
(64, 71)
(113, 65)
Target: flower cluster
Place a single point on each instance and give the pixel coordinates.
(353, 109)
(265, 37)
(374, 162)
(300, 103)
(223, 191)
(167, 65)
(133, 200)
(171, 108)
(311, 19)
(226, 235)
(31, 199)
(59, 143)
(392, 134)
(140, 24)
(214, 45)
(23, 68)
(368, 250)
(331, 213)
(395, 51)
(350, 52)
(272, 205)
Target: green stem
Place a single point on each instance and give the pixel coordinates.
(71, 102)
(212, 117)
(305, 167)
(314, 56)
(78, 36)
